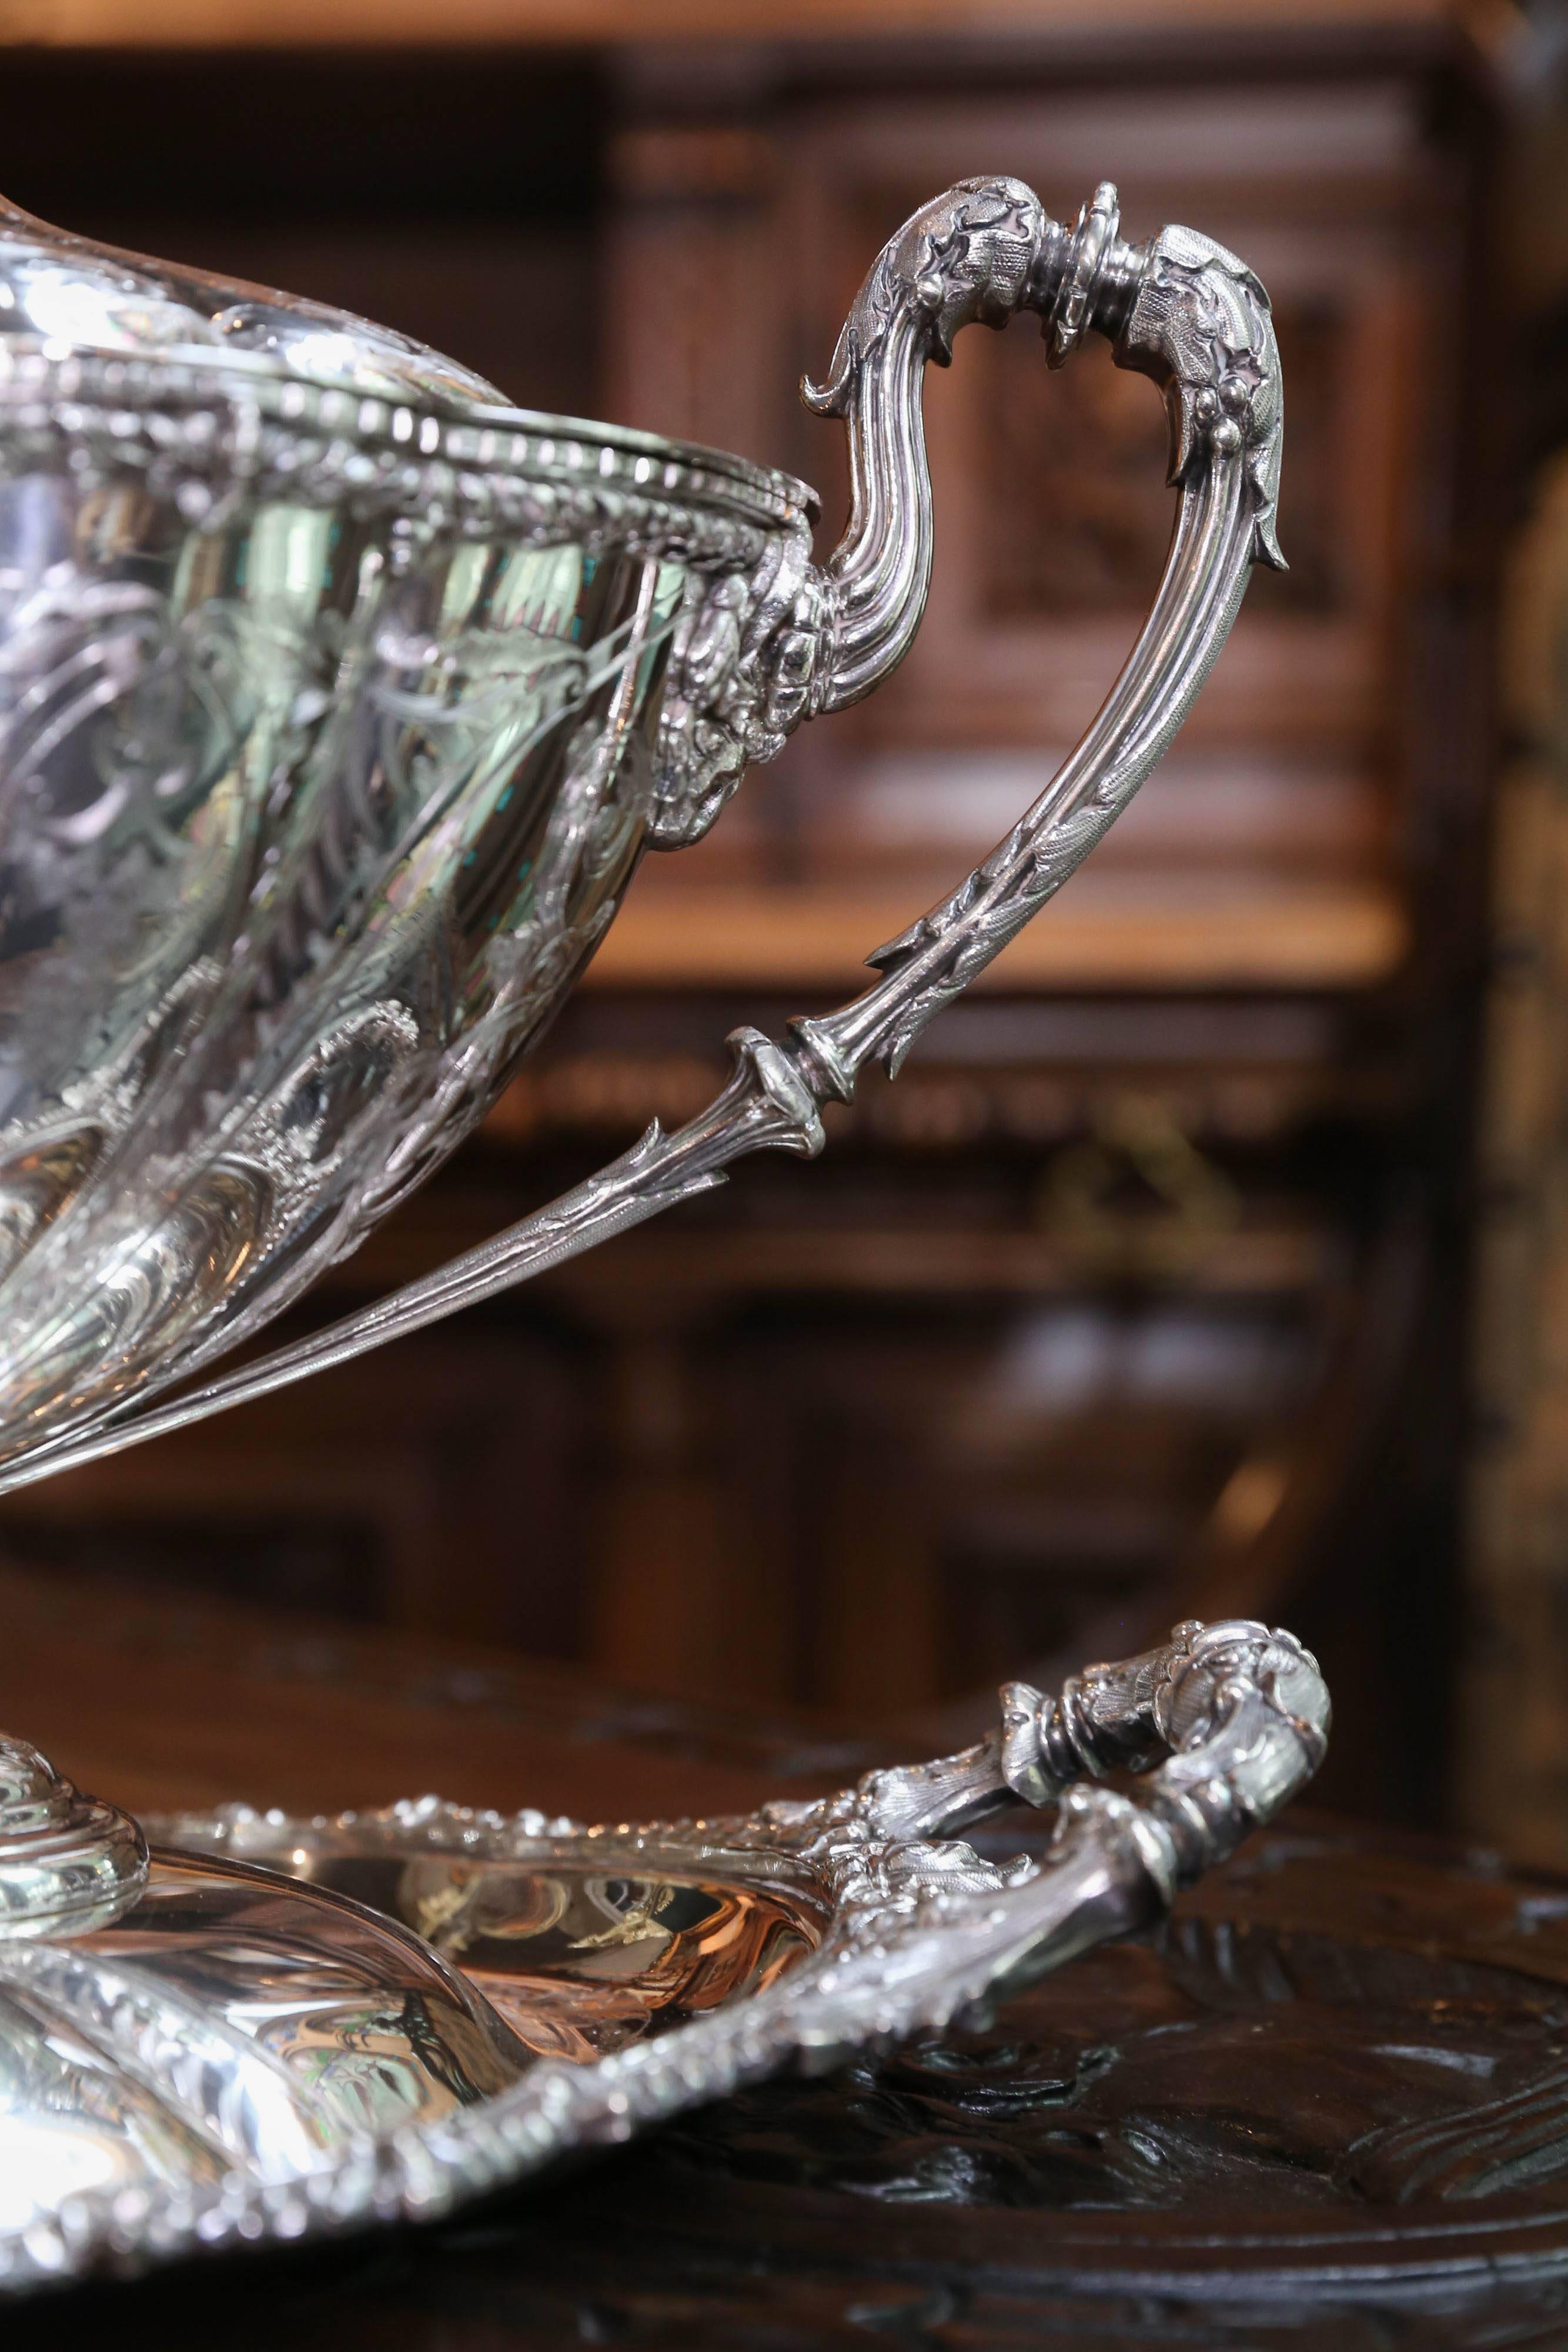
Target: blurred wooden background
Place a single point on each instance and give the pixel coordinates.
(1144, 1293)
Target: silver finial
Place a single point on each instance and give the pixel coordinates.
(68, 1862)
(1073, 304)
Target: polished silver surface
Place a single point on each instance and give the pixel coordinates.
(436, 2003)
(223, 2029)
(337, 706)
(67, 1861)
(67, 291)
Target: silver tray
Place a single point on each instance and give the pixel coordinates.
(447, 2001)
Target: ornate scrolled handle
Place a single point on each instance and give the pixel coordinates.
(970, 259)
(1181, 309)
(752, 659)
(755, 654)
(1224, 1723)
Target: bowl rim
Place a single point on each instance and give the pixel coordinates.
(531, 443)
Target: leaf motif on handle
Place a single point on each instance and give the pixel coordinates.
(1200, 326)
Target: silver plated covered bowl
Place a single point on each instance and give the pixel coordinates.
(339, 703)
(332, 727)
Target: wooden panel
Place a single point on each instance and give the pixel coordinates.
(220, 24)
(1267, 852)
(1112, 932)
(439, 1489)
(1516, 1665)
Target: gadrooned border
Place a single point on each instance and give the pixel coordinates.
(918, 1930)
(884, 1901)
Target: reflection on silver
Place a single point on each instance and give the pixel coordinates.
(223, 2028)
(225, 2025)
(66, 1863)
(67, 290)
(578, 1959)
(434, 2002)
(339, 703)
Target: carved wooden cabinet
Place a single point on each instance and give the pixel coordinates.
(1139, 1295)
(1268, 850)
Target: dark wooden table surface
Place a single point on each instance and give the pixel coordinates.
(1327, 2107)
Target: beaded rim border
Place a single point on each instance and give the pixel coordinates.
(169, 409)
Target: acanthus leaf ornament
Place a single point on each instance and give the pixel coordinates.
(1199, 325)
(743, 666)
